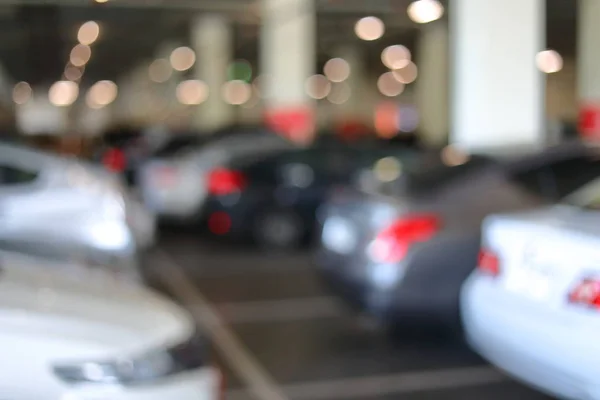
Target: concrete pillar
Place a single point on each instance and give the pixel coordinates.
(213, 43)
(287, 55)
(588, 68)
(498, 92)
(431, 86)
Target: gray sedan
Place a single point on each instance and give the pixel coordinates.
(402, 253)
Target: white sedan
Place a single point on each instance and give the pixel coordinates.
(71, 205)
(177, 186)
(532, 307)
(84, 335)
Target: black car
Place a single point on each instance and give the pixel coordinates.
(274, 200)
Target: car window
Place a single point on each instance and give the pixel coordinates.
(16, 176)
(434, 172)
(177, 145)
(572, 174)
(558, 180)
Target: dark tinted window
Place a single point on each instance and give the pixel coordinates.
(433, 172)
(177, 144)
(15, 176)
(570, 175)
(561, 178)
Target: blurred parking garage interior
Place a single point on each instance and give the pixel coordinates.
(299, 199)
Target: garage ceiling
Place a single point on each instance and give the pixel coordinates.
(36, 36)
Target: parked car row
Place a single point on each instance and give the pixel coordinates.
(76, 320)
(526, 286)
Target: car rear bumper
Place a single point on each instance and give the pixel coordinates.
(542, 349)
(394, 302)
(196, 385)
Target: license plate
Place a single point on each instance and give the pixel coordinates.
(533, 281)
(339, 235)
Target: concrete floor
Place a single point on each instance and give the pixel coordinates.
(279, 335)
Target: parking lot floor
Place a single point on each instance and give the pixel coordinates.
(279, 334)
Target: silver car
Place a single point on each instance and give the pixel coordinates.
(71, 207)
(177, 186)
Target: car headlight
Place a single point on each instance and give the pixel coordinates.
(146, 367)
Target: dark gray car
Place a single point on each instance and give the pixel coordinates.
(402, 253)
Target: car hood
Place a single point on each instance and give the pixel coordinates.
(87, 306)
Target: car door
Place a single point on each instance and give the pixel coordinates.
(30, 206)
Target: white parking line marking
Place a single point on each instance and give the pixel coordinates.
(281, 310)
(367, 387)
(259, 381)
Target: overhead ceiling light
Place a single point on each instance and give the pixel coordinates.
(340, 93)
(182, 58)
(389, 86)
(88, 33)
(192, 92)
(22, 93)
(395, 57)
(337, 70)
(160, 70)
(73, 73)
(318, 87)
(63, 93)
(425, 11)
(236, 92)
(101, 94)
(80, 55)
(101, 1)
(407, 74)
(369, 28)
(549, 61)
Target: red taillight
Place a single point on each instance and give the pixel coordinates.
(488, 262)
(114, 160)
(219, 223)
(224, 181)
(587, 293)
(394, 242)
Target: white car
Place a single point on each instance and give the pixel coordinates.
(84, 335)
(177, 186)
(532, 307)
(71, 205)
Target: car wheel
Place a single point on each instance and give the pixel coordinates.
(279, 230)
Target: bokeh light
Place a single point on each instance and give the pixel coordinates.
(407, 74)
(63, 93)
(88, 33)
(396, 56)
(337, 70)
(236, 92)
(340, 93)
(192, 92)
(388, 169)
(369, 28)
(80, 55)
(318, 87)
(389, 86)
(386, 119)
(425, 11)
(160, 70)
(101, 94)
(240, 70)
(549, 61)
(22, 93)
(182, 58)
(73, 73)
(452, 156)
